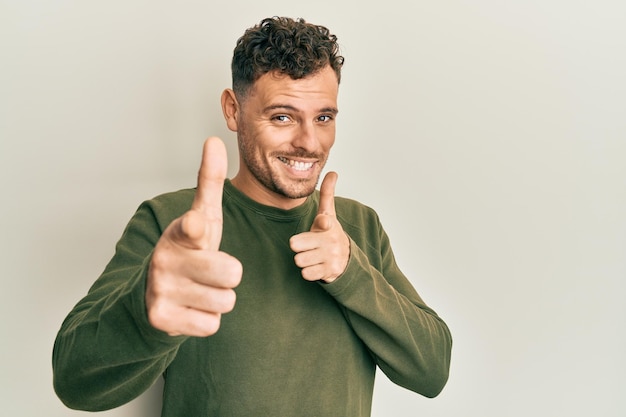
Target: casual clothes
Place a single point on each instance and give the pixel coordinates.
(290, 347)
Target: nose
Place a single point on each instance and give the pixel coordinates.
(306, 138)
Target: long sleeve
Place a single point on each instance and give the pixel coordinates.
(287, 343)
(106, 353)
(408, 340)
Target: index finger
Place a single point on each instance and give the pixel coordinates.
(213, 168)
(327, 194)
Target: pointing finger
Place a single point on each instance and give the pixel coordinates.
(327, 194)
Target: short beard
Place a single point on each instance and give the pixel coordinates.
(264, 175)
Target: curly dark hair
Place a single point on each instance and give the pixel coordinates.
(290, 46)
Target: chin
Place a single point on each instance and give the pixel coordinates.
(300, 190)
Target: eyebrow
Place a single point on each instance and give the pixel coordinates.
(268, 109)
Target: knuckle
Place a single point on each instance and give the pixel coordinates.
(306, 274)
(210, 324)
(158, 316)
(310, 274)
(159, 259)
(294, 243)
(234, 272)
(193, 226)
(230, 298)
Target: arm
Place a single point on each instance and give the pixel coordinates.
(409, 342)
(167, 280)
(106, 352)
(348, 251)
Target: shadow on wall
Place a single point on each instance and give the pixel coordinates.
(151, 401)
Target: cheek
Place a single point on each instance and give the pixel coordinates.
(327, 140)
(273, 140)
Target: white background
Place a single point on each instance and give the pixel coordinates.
(489, 135)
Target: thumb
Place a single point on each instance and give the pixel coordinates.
(326, 209)
(322, 223)
(208, 199)
(327, 194)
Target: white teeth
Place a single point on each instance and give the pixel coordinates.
(297, 165)
(301, 166)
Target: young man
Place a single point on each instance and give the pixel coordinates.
(256, 296)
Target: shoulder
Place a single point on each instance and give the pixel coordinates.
(362, 224)
(168, 206)
(184, 196)
(348, 206)
(356, 215)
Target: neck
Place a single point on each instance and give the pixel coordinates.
(262, 195)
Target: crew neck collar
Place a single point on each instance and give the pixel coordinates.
(271, 212)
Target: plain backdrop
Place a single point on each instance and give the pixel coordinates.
(489, 135)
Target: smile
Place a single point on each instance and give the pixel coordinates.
(297, 165)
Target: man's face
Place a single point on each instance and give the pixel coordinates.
(285, 129)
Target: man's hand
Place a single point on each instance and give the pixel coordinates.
(190, 282)
(323, 252)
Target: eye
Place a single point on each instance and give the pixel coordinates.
(325, 118)
(281, 118)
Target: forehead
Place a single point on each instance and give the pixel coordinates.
(322, 86)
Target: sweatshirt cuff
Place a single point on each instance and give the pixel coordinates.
(350, 276)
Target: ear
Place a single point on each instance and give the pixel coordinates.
(230, 108)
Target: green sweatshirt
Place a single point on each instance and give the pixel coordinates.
(289, 348)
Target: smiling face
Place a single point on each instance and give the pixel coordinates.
(285, 130)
